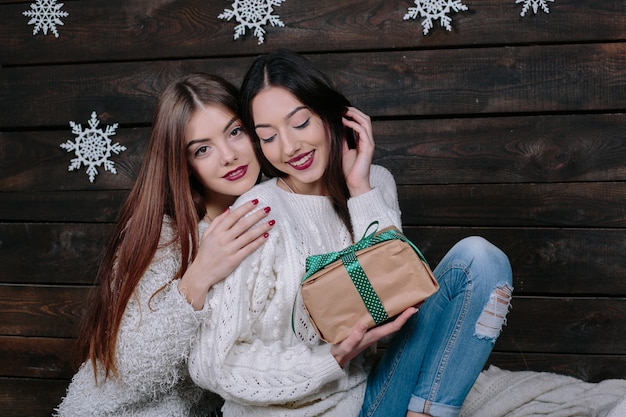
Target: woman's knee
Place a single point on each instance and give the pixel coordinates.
(492, 272)
(486, 258)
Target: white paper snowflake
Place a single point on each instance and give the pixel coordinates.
(45, 14)
(535, 5)
(92, 147)
(432, 10)
(253, 14)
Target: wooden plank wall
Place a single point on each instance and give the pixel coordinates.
(510, 127)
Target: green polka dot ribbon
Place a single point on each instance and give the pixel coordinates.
(364, 287)
(359, 278)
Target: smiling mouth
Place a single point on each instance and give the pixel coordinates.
(302, 161)
(236, 173)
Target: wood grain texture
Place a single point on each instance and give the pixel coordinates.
(545, 261)
(101, 30)
(507, 127)
(477, 81)
(36, 357)
(35, 161)
(28, 397)
(41, 311)
(590, 368)
(52, 253)
(538, 149)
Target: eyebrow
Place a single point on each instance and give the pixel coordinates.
(228, 125)
(291, 113)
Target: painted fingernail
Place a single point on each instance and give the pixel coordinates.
(266, 235)
(271, 222)
(267, 209)
(255, 202)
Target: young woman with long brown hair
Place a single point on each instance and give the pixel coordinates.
(175, 237)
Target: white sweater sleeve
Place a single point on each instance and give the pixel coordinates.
(241, 356)
(380, 204)
(155, 335)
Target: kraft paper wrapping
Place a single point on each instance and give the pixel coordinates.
(398, 275)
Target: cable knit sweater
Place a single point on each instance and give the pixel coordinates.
(246, 350)
(151, 354)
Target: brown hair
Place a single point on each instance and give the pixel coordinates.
(165, 186)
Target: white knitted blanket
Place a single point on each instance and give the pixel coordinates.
(500, 393)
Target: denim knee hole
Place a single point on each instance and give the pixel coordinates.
(493, 317)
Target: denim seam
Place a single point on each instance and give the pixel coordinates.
(376, 403)
(453, 337)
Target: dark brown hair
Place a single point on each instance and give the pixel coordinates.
(165, 186)
(314, 89)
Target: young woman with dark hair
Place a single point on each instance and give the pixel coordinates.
(326, 193)
(175, 238)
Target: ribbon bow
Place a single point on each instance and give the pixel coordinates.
(359, 278)
(315, 263)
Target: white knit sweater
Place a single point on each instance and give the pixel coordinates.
(246, 350)
(151, 355)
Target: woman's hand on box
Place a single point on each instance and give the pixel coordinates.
(361, 338)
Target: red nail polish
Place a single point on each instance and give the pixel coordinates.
(267, 209)
(266, 235)
(271, 222)
(255, 202)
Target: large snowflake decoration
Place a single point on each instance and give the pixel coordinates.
(253, 14)
(431, 10)
(45, 14)
(535, 4)
(92, 147)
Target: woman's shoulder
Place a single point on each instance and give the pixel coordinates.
(266, 192)
(379, 170)
(380, 175)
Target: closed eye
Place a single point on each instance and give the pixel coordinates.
(267, 140)
(304, 124)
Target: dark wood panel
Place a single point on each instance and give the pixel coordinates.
(590, 368)
(57, 253)
(433, 151)
(564, 78)
(101, 30)
(30, 397)
(528, 205)
(44, 311)
(503, 149)
(565, 325)
(68, 206)
(560, 78)
(576, 325)
(118, 92)
(35, 161)
(36, 357)
(525, 205)
(544, 261)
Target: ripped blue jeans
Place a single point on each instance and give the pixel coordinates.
(432, 362)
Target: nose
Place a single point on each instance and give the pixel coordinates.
(228, 154)
(290, 144)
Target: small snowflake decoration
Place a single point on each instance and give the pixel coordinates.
(253, 14)
(92, 147)
(535, 5)
(432, 10)
(45, 14)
